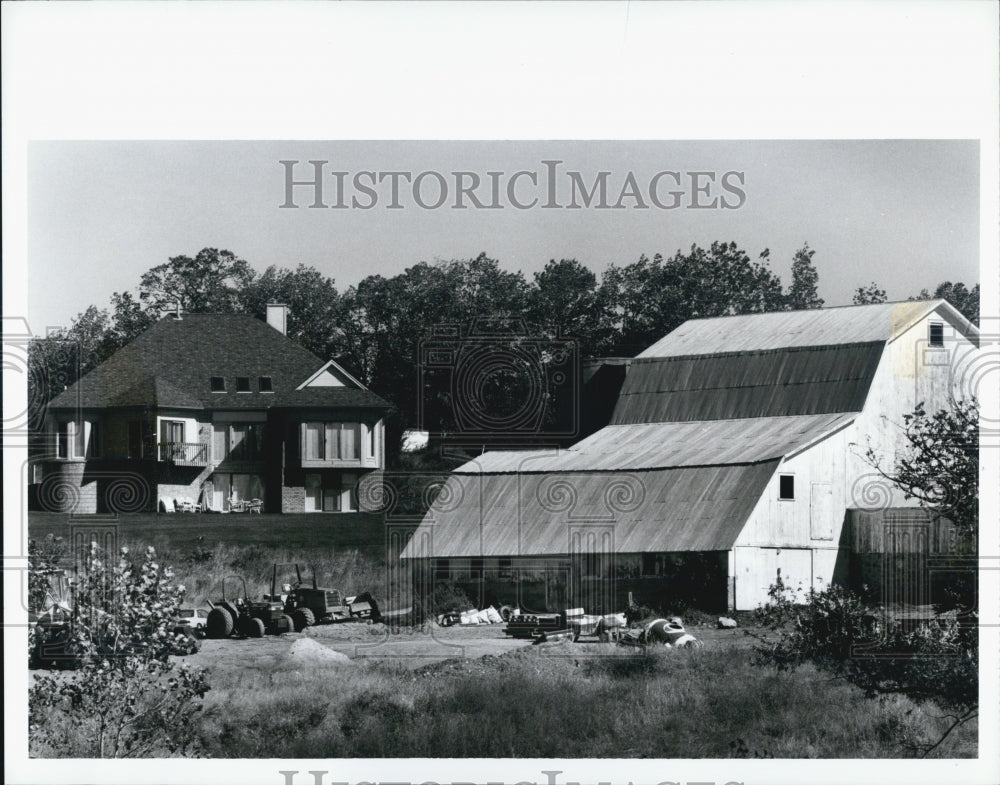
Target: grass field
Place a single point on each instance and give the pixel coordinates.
(347, 552)
(562, 701)
(558, 702)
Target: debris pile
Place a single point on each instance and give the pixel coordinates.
(489, 615)
(307, 652)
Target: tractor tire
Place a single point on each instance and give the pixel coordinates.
(286, 625)
(302, 618)
(219, 623)
(506, 612)
(255, 627)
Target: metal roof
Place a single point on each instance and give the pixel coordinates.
(684, 509)
(816, 327)
(767, 383)
(669, 445)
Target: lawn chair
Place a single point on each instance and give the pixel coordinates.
(255, 505)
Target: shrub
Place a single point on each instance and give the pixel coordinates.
(935, 662)
(128, 698)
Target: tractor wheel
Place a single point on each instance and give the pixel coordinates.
(219, 623)
(506, 612)
(302, 618)
(287, 624)
(255, 627)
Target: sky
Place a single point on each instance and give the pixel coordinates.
(903, 214)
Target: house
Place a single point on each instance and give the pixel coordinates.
(735, 454)
(211, 409)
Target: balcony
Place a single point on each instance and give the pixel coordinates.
(184, 453)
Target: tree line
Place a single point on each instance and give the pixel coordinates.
(374, 328)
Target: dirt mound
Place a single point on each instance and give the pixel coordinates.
(307, 652)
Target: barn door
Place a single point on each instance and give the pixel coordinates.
(821, 511)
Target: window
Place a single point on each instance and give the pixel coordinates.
(264, 384)
(218, 384)
(238, 441)
(331, 494)
(242, 384)
(64, 436)
(171, 440)
(69, 440)
(93, 440)
(936, 334)
(330, 442)
(786, 486)
(135, 450)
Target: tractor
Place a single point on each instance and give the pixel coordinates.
(316, 605)
(242, 616)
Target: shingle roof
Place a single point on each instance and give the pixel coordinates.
(782, 329)
(685, 509)
(171, 365)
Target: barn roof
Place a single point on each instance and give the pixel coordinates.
(645, 446)
(683, 509)
(702, 421)
(762, 383)
(171, 365)
(818, 327)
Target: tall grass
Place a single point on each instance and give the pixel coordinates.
(202, 568)
(671, 704)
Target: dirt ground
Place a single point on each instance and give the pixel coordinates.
(415, 649)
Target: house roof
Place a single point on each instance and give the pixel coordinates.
(764, 383)
(818, 327)
(171, 365)
(683, 509)
(645, 446)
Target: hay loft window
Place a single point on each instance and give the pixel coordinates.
(242, 384)
(264, 384)
(936, 337)
(786, 487)
(218, 384)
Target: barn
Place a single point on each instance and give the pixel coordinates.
(734, 455)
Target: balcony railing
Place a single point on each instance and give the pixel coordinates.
(184, 453)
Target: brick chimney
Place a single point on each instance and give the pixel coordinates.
(277, 317)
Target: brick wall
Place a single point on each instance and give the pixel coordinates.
(293, 499)
(63, 488)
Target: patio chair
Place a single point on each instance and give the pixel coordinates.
(255, 505)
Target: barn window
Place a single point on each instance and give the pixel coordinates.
(264, 384)
(786, 486)
(936, 334)
(242, 384)
(218, 384)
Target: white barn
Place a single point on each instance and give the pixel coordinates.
(735, 453)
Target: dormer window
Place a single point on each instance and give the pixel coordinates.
(264, 384)
(242, 384)
(936, 337)
(218, 384)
